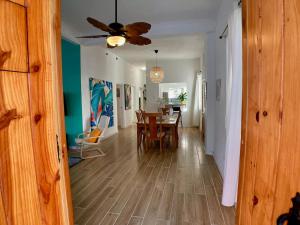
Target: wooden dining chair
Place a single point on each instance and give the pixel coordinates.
(179, 118)
(177, 110)
(139, 115)
(169, 131)
(140, 131)
(153, 129)
(165, 111)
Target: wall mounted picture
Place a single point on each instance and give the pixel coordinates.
(101, 93)
(145, 93)
(128, 98)
(118, 92)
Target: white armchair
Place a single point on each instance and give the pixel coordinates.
(83, 140)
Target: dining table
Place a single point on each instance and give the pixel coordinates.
(167, 122)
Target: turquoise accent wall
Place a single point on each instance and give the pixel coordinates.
(72, 89)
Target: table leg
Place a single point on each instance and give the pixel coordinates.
(174, 137)
(177, 136)
(138, 137)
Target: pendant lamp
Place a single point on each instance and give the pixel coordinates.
(156, 72)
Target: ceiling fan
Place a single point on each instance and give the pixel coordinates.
(120, 34)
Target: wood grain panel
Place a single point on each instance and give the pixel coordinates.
(13, 41)
(262, 104)
(251, 139)
(20, 2)
(271, 74)
(44, 109)
(276, 159)
(17, 173)
(288, 182)
(3, 220)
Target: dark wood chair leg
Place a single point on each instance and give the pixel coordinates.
(147, 143)
(139, 140)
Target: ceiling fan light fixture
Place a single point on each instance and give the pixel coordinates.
(116, 41)
(118, 34)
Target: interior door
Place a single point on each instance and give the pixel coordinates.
(270, 152)
(33, 176)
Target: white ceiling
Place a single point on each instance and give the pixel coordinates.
(175, 47)
(176, 24)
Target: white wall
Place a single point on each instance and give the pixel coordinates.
(182, 71)
(220, 133)
(95, 63)
(209, 73)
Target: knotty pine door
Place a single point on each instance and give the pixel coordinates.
(270, 151)
(34, 179)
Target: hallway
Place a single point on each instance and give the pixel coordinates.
(124, 187)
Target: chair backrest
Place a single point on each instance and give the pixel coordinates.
(150, 122)
(103, 125)
(165, 111)
(139, 116)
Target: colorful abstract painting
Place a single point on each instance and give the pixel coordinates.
(128, 98)
(101, 93)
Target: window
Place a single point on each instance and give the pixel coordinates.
(170, 92)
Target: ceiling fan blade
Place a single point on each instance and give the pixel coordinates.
(94, 36)
(99, 25)
(139, 40)
(136, 29)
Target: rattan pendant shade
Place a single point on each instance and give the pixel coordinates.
(156, 72)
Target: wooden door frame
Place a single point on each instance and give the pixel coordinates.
(45, 64)
(270, 111)
(241, 181)
(35, 182)
(62, 112)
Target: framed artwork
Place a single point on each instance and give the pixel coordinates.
(145, 93)
(218, 89)
(118, 93)
(128, 97)
(101, 93)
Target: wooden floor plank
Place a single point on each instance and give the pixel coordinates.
(126, 213)
(109, 219)
(166, 202)
(152, 211)
(92, 209)
(97, 215)
(177, 217)
(196, 211)
(149, 188)
(144, 202)
(216, 216)
(135, 221)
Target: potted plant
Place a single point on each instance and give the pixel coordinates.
(182, 97)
